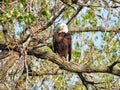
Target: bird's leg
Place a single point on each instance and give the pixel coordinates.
(64, 59)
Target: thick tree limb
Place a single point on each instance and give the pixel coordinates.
(73, 67)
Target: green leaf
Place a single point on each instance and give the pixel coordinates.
(21, 6)
(8, 15)
(75, 53)
(91, 42)
(45, 13)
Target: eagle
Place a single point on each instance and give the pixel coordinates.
(62, 42)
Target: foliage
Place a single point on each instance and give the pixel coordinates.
(88, 48)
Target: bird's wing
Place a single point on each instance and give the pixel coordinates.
(69, 45)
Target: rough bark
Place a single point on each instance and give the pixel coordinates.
(73, 67)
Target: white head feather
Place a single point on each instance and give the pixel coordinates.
(63, 28)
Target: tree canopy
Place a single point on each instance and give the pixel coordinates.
(27, 60)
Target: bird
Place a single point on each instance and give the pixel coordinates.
(62, 42)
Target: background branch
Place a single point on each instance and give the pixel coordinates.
(50, 22)
(92, 5)
(95, 29)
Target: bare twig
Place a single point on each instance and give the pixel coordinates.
(51, 21)
(78, 10)
(68, 5)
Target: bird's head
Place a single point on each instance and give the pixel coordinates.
(63, 28)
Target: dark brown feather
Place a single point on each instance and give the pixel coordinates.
(62, 44)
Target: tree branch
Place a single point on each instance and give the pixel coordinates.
(71, 29)
(40, 73)
(68, 4)
(117, 1)
(70, 66)
(91, 5)
(87, 81)
(78, 10)
(83, 80)
(52, 20)
(114, 63)
(95, 29)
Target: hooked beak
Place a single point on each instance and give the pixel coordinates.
(61, 27)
